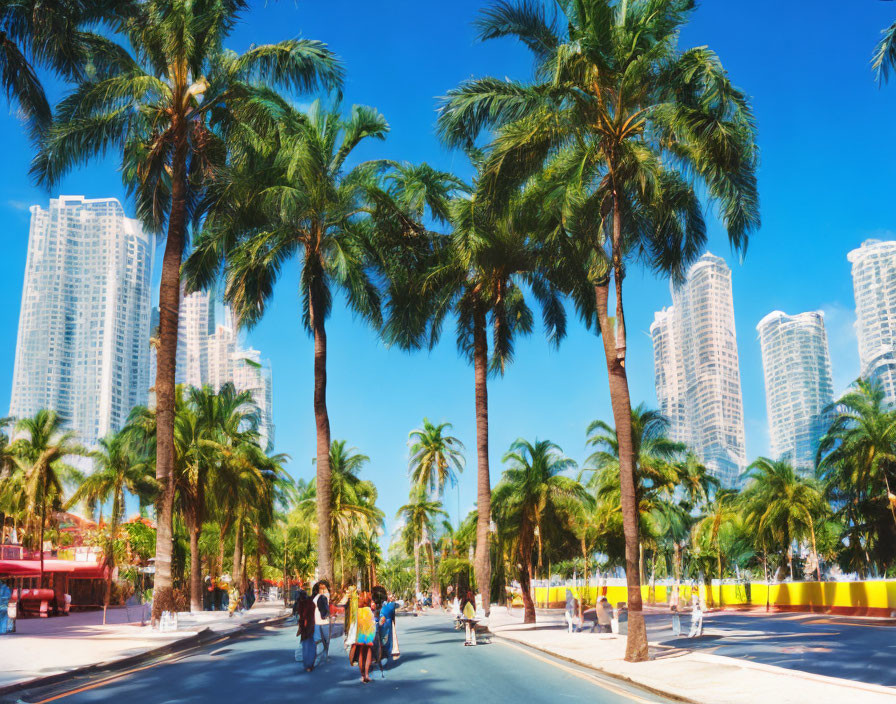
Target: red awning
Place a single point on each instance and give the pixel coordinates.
(31, 568)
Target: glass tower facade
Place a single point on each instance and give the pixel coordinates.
(697, 369)
(874, 283)
(85, 316)
(798, 384)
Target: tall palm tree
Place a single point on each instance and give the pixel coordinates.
(479, 274)
(206, 424)
(352, 504)
(420, 515)
(857, 466)
(166, 106)
(119, 469)
(296, 198)
(57, 35)
(625, 130)
(783, 506)
(532, 492)
(41, 452)
(436, 457)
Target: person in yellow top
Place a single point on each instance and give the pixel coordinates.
(468, 610)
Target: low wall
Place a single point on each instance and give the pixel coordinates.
(870, 598)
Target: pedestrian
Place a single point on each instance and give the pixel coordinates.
(468, 609)
(604, 613)
(305, 610)
(386, 626)
(696, 617)
(673, 607)
(5, 596)
(320, 596)
(571, 609)
(361, 652)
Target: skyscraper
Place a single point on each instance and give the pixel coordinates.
(84, 322)
(798, 384)
(209, 355)
(874, 283)
(697, 369)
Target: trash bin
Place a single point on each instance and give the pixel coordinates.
(622, 618)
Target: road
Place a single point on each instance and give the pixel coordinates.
(434, 667)
(852, 648)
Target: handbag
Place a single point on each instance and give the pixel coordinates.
(396, 653)
(351, 636)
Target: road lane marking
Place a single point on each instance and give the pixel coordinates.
(578, 673)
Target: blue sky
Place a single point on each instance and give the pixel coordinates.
(827, 135)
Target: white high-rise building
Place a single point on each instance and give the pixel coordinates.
(874, 282)
(213, 356)
(798, 383)
(84, 322)
(697, 369)
(251, 373)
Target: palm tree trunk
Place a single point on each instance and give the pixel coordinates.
(195, 566)
(482, 564)
(525, 572)
(117, 500)
(43, 520)
(322, 425)
(416, 569)
(236, 573)
(620, 400)
(434, 580)
(166, 358)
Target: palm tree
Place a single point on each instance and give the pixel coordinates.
(708, 530)
(41, 452)
(352, 505)
(884, 58)
(420, 514)
(165, 106)
(624, 130)
(119, 469)
(479, 275)
(857, 467)
(295, 198)
(55, 35)
(436, 457)
(533, 492)
(782, 506)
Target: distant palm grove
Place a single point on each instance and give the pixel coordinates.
(604, 160)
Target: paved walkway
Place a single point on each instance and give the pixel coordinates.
(49, 646)
(434, 668)
(689, 674)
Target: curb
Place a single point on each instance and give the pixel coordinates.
(710, 659)
(203, 637)
(604, 673)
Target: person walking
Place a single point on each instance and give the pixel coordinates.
(320, 596)
(696, 616)
(676, 616)
(571, 610)
(5, 596)
(604, 614)
(388, 636)
(361, 652)
(305, 610)
(468, 609)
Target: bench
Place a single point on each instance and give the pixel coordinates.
(37, 602)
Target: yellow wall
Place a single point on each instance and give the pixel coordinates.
(876, 594)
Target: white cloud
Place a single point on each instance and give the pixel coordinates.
(18, 205)
(839, 322)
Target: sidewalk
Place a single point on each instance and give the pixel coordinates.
(688, 675)
(50, 646)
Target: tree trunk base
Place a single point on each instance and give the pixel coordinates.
(162, 600)
(636, 648)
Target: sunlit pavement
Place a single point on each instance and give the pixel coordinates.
(434, 667)
(851, 648)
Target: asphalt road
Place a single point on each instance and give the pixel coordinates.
(434, 667)
(856, 649)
